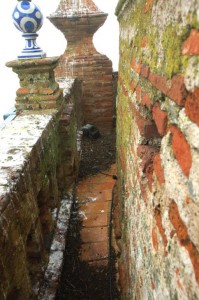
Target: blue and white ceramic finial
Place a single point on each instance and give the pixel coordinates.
(28, 18)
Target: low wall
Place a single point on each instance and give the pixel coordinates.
(158, 149)
(39, 159)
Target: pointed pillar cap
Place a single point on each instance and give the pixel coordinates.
(76, 8)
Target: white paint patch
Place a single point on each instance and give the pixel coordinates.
(53, 271)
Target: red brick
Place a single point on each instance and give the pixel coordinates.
(146, 153)
(119, 79)
(145, 71)
(143, 191)
(174, 88)
(103, 186)
(154, 239)
(94, 220)
(122, 277)
(191, 45)
(153, 284)
(159, 82)
(157, 165)
(160, 118)
(23, 91)
(144, 42)
(124, 90)
(192, 106)
(46, 91)
(94, 234)
(158, 218)
(138, 92)
(95, 207)
(122, 159)
(133, 85)
(181, 150)
(148, 5)
(149, 175)
(146, 100)
(177, 91)
(146, 127)
(183, 237)
(136, 65)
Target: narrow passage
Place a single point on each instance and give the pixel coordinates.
(89, 271)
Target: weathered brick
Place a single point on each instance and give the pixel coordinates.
(136, 65)
(174, 88)
(191, 45)
(133, 85)
(146, 127)
(146, 153)
(146, 100)
(152, 45)
(192, 106)
(145, 71)
(23, 91)
(148, 5)
(183, 237)
(181, 150)
(122, 276)
(144, 42)
(154, 239)
(149, 175)
(160, 118)
(138, 93)
(177, 91)
(158, 218)
(159, 172)
(159, 82)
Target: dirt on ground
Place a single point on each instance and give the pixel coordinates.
(97, 154)
(79, 280)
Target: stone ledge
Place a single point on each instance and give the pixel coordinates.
(38, 163)
(48, 288)
(18, 137)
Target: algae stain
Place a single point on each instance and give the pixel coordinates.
(172, 40)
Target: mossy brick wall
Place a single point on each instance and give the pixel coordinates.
(39, 162)
(158, 149)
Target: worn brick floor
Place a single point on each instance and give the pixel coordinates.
(94, 196)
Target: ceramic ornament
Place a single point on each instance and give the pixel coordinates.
(28, 18)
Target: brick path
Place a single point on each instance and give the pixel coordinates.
(94, 196)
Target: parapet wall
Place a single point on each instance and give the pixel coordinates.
(158, 149)
(39, 162)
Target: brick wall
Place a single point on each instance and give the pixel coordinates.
(158, 149)
(39, 163)
(81, 60)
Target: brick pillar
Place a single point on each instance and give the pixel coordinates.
(38, 88)
(78, 21)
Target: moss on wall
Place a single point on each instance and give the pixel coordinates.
(150, 172)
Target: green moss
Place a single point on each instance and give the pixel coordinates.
(119, 6)
(192, 20)
(163, 50)
(151, 57)
(172, 40)
(48, 160)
